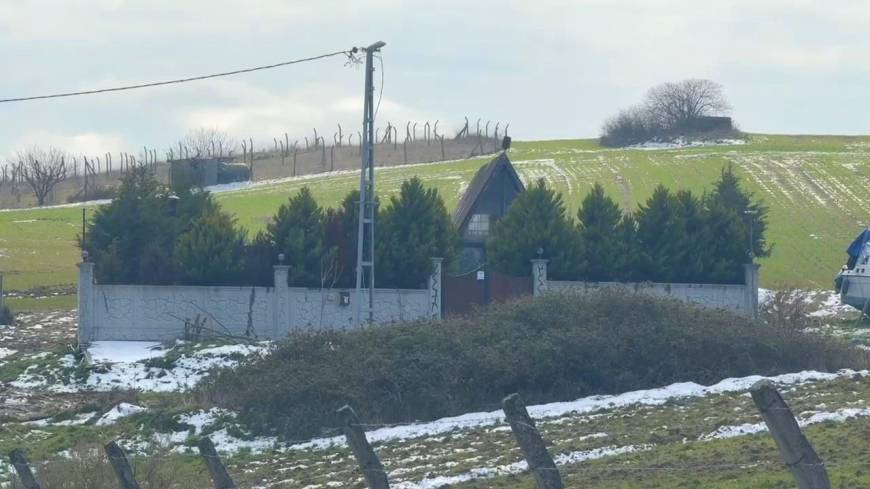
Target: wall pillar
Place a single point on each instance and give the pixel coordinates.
(86, 293)
(281, 319)
(750, 280)
(539, 276)
(435, 281)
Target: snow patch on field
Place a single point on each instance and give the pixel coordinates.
(683, 143)
(519, 467)
(805, 419)
(586, 405)
(124, 351)
(120, 411)
(124, 365)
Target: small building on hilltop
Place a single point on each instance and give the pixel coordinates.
(205, 172)
(490, 193)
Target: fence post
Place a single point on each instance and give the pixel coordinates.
(86, 329)
(750, 295)
(797, 452)
(22, 467)
(531, 444)
(122, 468)
(435, 288)
(219, 475)
(539, 276)
(373, 470)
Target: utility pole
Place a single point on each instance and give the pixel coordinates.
(365, 244)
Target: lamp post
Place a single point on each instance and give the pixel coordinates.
(751, 226)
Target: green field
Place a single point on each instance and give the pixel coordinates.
(816, 187)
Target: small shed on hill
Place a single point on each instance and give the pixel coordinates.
(490, 193)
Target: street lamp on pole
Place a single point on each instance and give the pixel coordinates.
(751, 226)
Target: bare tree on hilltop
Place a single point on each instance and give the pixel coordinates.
(43, 169)
(689, 108)
(677, 104)
(201, 143)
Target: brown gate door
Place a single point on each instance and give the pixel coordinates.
(464, 293)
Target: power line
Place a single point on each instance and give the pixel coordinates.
(348, 53)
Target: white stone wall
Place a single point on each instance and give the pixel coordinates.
(158, 313)
(313, 309)
(714, 296)
(740, 298)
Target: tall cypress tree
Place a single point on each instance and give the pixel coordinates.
(599, 220)
(691, 244)
(297, 231)
(535, 221)
(415, 228)
(730, 195)
(660, 234)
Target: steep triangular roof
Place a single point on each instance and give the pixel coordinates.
(478, 185)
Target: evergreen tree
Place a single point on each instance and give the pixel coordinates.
(132, 239)
(691, 244)
(341, 227)
(724, 237)
(413, 229)
(660, 234)
(212, 251)
(626, 234)
(600, 218)
(730, 195)
(536, 221)
(297, 231)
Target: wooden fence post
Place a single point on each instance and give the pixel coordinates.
(219, 475)
(373, 470)
(119, 462)
(22, 467)
(797, 452)
(531, 444)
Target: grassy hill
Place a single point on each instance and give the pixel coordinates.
(816, 187)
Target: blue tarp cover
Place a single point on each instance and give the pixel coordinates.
(855, 248)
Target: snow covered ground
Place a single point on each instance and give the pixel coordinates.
(684, 143)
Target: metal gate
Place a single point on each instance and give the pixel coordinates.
(463, 293)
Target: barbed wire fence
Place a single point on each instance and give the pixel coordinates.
(94, 176)
(796, 452)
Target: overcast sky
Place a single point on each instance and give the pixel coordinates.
(552, 69)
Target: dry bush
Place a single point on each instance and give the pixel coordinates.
(88, 467)
(789, 309)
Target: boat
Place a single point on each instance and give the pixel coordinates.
(853, 281)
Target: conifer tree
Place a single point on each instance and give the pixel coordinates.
(212, 251)
(660, 233)
(691, 244)
(536, 221)
(730, 195)
(414, 228)
(297, 231)
(599, 219)
(132, 239)
(340, 238)
(626, 234)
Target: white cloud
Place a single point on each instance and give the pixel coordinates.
(90, 143)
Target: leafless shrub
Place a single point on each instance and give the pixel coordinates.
(789, 309)
(87, 466)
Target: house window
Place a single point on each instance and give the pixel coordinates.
(478, 226)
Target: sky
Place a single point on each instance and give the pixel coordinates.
(552, 69)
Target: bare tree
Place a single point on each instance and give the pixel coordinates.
(206, 142)
(677, 104)
(42, 169)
